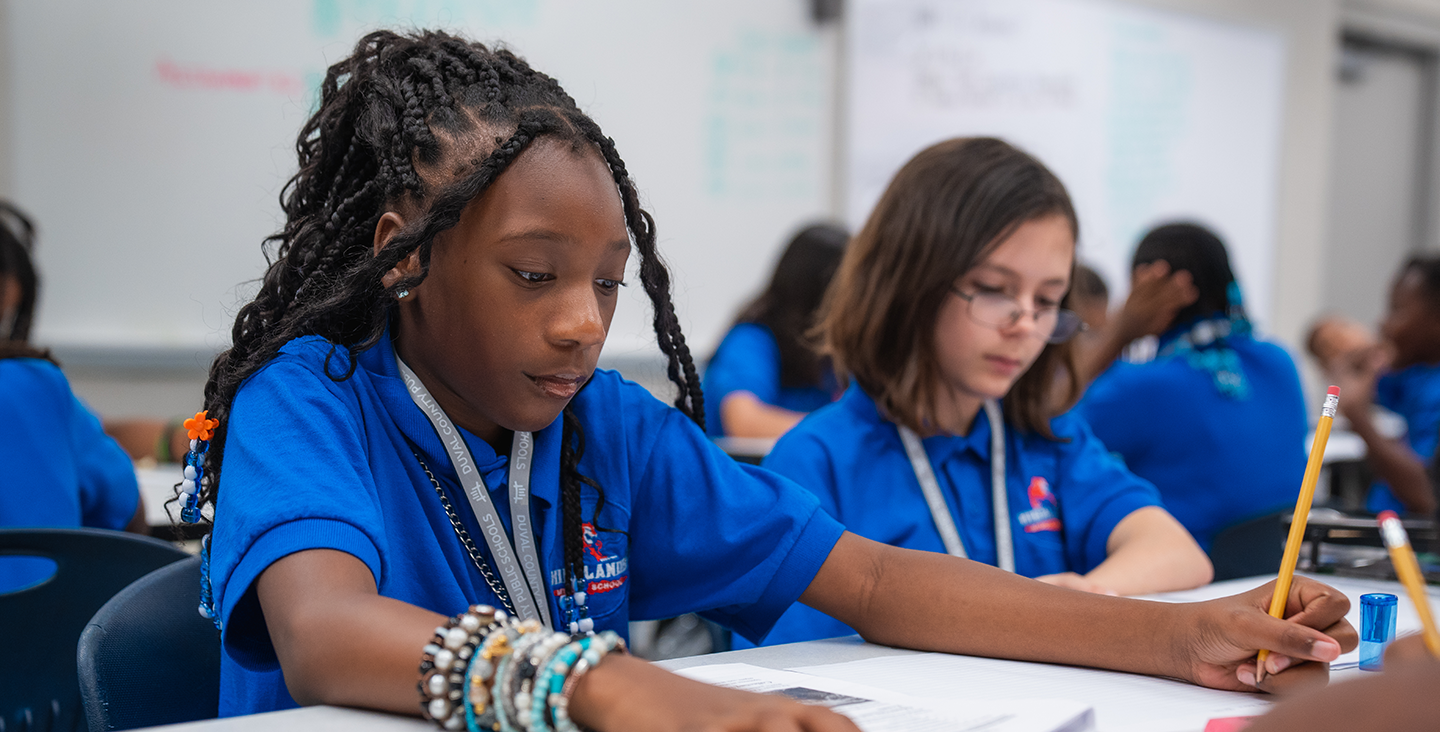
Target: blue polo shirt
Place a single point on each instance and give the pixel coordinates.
(58, 468)
(314, 463)
(1216, 460)
(1065, 497)
(748, 359)
(1412, 393)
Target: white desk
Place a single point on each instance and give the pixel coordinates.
(920, 674)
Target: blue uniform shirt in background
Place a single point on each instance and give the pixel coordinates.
(748, 359)
(1412, 393)
(1216, 460)
(1065, 497)
(57, 466)
(313, 463)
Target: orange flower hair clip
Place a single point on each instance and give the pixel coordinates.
(200, 428)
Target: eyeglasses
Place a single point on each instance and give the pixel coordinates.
(998, 310)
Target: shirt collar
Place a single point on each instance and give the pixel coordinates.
(938, 447)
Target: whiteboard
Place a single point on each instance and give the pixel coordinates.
(151, 139)
(1147, 116)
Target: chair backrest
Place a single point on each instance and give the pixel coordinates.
(40, 625)
(148, 658)
(1249, 548)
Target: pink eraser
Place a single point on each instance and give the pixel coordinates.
(1228, 724)
(1333, 391)
(1384, 516)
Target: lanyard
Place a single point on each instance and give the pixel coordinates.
(940, 513)
(529, 600)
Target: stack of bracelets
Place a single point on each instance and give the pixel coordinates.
(485, 672)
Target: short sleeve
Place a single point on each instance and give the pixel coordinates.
(294, 479)
(804, 458)
(708, 532)
(1096, 494)
(748, 360)
(109, 490)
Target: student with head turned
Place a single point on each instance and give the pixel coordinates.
(1217, 419)
(413, 438)
(57, 467)
(766, 376)
(1400, 372)
(948, 316)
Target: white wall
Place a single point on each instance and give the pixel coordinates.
(1312, 29)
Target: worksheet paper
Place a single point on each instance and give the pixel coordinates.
(878, 710)
(1122, 702)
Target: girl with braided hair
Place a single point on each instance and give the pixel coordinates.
(415, 384)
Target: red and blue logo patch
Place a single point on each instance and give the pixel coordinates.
(1044, 514)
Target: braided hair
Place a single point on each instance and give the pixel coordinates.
(400, 105)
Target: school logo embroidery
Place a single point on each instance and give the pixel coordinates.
(603, 571)
(1042, 515)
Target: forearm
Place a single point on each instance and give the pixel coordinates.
(744, 415)
(343, 644)
(1395, 463)
(1151, 552)
(1094, 355)
(935, 602)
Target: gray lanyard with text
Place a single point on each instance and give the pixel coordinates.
(529, 600)
(940, 513)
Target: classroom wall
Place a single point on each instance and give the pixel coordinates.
(1311, 29)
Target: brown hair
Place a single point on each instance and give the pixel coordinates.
(941, 214)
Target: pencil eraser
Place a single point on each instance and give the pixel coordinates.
(1333, 390)
(1384, 516)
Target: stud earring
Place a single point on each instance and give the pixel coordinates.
(402, 294)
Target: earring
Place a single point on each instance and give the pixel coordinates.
(402, 294)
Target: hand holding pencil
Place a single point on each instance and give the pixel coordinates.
(1301, 516)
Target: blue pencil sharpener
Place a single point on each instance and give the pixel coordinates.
(1377, 629)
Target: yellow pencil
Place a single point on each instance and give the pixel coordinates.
(1408, 570)
(1302, 514)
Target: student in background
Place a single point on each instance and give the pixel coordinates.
(1156, 295)
(766, 376)
(1217, 419)
(1090, 299)
(1400, 373)
(57, 467)
(482, 228)
(947, 313)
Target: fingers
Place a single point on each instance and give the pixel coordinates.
(1320, 606)
(1288, 679)
(1072, 581)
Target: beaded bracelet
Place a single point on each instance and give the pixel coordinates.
(501, 694)
(563, 683)
(528, 688)
(444, 660)
(519, 670)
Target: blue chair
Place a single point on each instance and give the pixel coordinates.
(148, 658)
(40, 625)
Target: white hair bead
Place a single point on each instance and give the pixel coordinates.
(190, 472)
(586, 625)
(188, 486)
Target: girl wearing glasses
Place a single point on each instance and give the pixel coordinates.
(947, 316)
